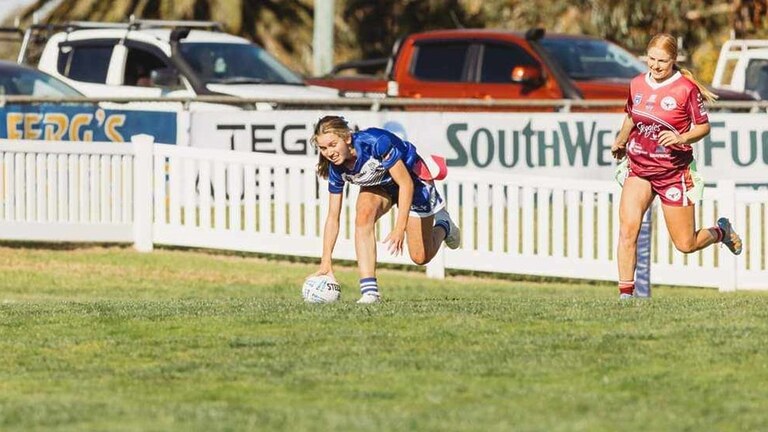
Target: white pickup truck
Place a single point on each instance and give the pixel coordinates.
(152, 58)
(743, 66)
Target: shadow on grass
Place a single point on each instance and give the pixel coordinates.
(70, 246)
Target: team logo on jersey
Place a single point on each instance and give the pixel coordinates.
(673, 194)
(650, 104)
(638, 97)
(668, 103)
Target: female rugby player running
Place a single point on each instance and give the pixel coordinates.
(665, 115)
(388, 171)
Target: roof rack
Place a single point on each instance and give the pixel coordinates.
(138, 23)
(16, 30)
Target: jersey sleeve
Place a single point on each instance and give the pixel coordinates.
(335, 182)
(388, 149)
(695, 106)
(628, 105)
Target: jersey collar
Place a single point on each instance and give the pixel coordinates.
(657, 85)
(358, 153)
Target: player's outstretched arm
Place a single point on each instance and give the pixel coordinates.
(330, 234)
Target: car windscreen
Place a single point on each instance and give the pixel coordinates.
(593, 59)
(230, 63)
(25, 82)
(756, 78)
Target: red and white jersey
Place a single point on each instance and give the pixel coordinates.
(675, 104)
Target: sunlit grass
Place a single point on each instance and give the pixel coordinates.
(109, 339)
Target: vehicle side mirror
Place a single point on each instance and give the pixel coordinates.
(164, 77)
(529, 75)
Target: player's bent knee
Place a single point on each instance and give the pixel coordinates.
(419, 258)
(685, 247)
(365, 219)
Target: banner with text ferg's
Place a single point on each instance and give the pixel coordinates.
(74, 122)
(547, 144)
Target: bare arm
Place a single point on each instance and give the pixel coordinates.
(669, 138)
(619, 147)
(402, 177)
(330, 233)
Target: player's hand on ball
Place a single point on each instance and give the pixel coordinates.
(323, 272)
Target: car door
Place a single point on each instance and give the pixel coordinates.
(85, 64)
(492, 78)
(135, 63)
(438, 69)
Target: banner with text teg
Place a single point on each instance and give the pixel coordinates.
(541, 144)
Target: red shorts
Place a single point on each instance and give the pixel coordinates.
(673, 187)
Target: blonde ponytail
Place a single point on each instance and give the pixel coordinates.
(668, 43)
(705, 92)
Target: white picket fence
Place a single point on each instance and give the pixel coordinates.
(163, 194)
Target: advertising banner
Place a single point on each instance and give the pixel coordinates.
(84, 123)
(542, 144)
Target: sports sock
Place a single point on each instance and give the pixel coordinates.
(369, 286)
(717, 233)
(627, 287)
(444, 225)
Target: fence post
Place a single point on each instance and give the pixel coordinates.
(726, 192)
(436, 267)
(142, 192)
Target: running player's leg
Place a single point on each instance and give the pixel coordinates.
(371, 204)
(429, 224)
(636, 197)
(681, 225)
(680, 212)
(424, 238)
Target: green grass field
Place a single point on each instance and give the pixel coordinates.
(111, 340)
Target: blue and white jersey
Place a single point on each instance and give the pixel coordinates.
(377, 151)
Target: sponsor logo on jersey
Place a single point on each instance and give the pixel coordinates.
(635, 148)
(650, 104)
(673, 194)
(668, 103)
(649, 130)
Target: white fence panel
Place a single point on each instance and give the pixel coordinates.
(56, 191)
(64, 191)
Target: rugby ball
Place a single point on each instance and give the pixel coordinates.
(320, 289)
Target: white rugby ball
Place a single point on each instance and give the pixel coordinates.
(320, 289)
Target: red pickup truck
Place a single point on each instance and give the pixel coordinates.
(496, 64)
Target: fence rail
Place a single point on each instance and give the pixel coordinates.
(376, 103)
(161, 194)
